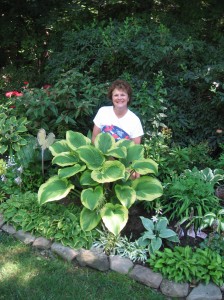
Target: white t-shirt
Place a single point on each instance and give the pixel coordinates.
(107, 121)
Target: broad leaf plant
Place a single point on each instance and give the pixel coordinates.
(103, 170)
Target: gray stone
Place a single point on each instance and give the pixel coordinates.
(25, 237)
(173, 289)
(205, 292)
(94, 258)
(146, 276)
(2, 222)
(66, 253)
(42, 243)
(222, 288)
(120, 264)
(9, 229)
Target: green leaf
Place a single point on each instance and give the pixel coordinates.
(134, 152)
(147, 188)
(156, 244)
(89, 219)
(111, 171)
(125, 194)
(91, 156)
(118, 152)
(71, 171)
(104, 142)
(147, 223)
(86, 179)
(115, 217)
(166, 233)
(3, 149)
(59, 147)
(145, 166)
(76, 140)
(162, 223)
(91, 198)
(54, 189)
(65, 159)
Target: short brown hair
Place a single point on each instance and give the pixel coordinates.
(121, 85)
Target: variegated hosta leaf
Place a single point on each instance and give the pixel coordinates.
(115, 217)
(59, 147)
(147, 188)
(89, 219)
(118, 152)
(110, 172)
(71, 171)
(65, 159)
(86, 179)
(145, 166)
(124, 143)
(76, 139)
(134, 152)
(54, 189)
(104, 142)
(125, 194)
(91, 198)
(91, 156)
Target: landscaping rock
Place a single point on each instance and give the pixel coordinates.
(2, 222)
(146, 276)
(173, 289)
(120, 264)
(205, 292)
(25, 237)
(9, 229)
(42, 243)
(66, 253)
(94, 258)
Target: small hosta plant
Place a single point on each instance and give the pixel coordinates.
(102, 174)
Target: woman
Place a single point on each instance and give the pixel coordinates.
(118, 120)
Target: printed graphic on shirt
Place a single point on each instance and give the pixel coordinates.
(116, 132)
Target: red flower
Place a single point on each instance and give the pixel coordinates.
(12, 106)
(26, 82)
(13, 93)
(46, 86)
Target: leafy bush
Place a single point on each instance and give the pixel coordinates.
(215, 242)
(182, 264)
(53, 221)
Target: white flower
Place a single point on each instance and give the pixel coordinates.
(3, 178)
(154, 219)
(18, 180)
(20, 169)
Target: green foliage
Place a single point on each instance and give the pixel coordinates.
(53, 221)
(215, 242)
(216, 221)
(156, 233)
(182, 264)
(102, 174)
(191, 194)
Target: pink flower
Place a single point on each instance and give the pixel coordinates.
(46, 86)
(13, 93)
(26, 82)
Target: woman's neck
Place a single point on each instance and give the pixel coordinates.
(120, 112)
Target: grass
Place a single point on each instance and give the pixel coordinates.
(26, 274)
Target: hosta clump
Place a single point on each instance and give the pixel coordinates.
(103, 171)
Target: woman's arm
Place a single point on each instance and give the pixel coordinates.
(137, 140)
(96, 131)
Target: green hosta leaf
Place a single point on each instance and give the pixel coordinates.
(54, 189)
(125, 194)
(115, 217)
(145, 166)
(134, 152)
(15, 147)
(166, 233)
(91, 156)
(89, 219)
(148, 235)
(90, 198)
(124, 143)
(76, 139)
(59, 147)
(147, 223)
(104, 142)
(155, 244)
(65, 159)
(147, 188)
(71, 171)
(173, 239)
(111, 171)
(3, 149)
(118, 152)
(161, 224)
(86, 179)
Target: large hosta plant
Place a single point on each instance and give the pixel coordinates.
(103, 171)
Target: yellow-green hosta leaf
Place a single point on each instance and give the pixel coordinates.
(59, 147)
(111, 171)
(134, 152)
(76, 139)
(104, 142)
(118, 152)
(124, 143)
(89, 219)
(91, 156)
(54, 189)
(125, 194)
(65, 159)
(147, 188)
(70, 171)
(145, 166)
(115, 217)
(91, 198)
(3, 148)
(86, 179)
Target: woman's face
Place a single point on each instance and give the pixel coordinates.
(120, 98)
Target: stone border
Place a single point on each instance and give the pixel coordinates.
(97, 259)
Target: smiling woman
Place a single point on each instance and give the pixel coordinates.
(118, 120)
